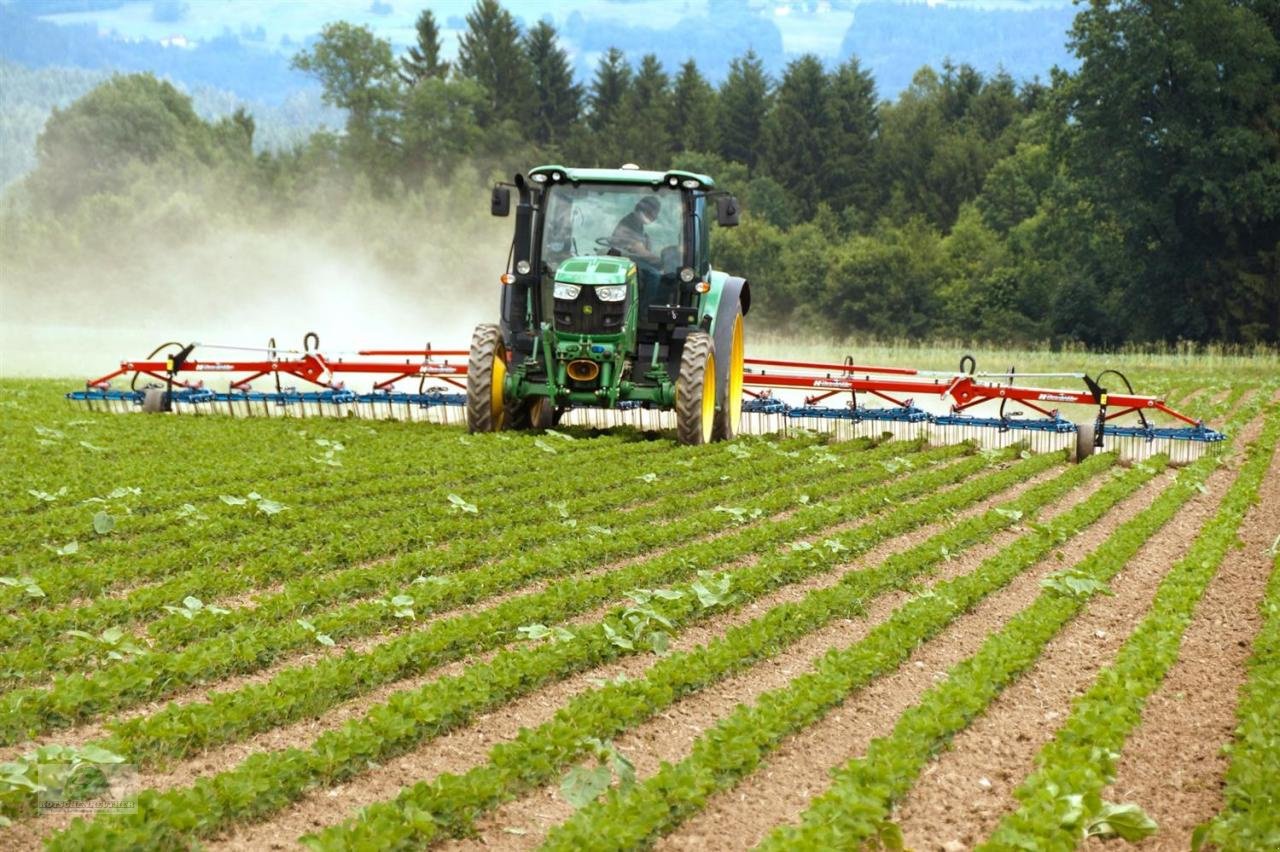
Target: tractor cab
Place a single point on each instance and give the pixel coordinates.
(610, 275)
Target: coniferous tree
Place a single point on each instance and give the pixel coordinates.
(743, 103)
(647, 111)
(854, 126)
(490, 52)
(797, 130)
(423, 59)
(693, 111)
(610, 86)
(557, 99)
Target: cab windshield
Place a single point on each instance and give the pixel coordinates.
(638, 222)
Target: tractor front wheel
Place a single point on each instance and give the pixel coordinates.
(535, 412)
(696, 390)
(486, 375)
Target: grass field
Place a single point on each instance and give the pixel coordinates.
(269, 633)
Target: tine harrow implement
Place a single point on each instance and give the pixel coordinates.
(944, 414)
(172, 378)
(938, 406)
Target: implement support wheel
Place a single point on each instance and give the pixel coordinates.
(486, 375)
(1084, 440)
(155, 400)
(696, 390)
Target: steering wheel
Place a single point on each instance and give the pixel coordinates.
(605, 242)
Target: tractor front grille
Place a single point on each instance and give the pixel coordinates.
(588, 315)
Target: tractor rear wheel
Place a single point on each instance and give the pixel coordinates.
(486, 376)
(729, 415)
(696, 390)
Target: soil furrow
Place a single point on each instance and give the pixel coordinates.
(1173, 764)
(669, 736)
(963, 794)
(462, 749)
(302, 657)
(782, 787)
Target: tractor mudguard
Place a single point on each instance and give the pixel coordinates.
(733, 292)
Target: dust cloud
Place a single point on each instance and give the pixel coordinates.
(77, 313)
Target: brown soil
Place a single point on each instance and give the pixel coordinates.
(302, 733)
(1173, 765)
(669, 736)
(98, 729)
(455, 752)
(964, 792)
(782, 788)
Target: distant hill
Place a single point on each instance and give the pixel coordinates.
(246, 49)
(29, 95)
(45, 64)
(895, 39)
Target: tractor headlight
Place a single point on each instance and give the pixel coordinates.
(687, 275)
(568, 292)
(612, 293)
(523, 267)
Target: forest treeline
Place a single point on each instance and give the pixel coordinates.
(1135, 199)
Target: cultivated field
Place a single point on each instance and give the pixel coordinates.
(364, 635)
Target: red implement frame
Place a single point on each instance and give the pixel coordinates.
(897, 384)
(311, 367)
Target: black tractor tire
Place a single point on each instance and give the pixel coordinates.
(156, 400)
(729, 411)
(536, 412)
(1084, 440)
(696, 390)
(486, 373)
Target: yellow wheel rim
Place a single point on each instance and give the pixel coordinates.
(496, 389)
(708, 398)
(734, 402)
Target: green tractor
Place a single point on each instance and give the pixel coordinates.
(610, 301)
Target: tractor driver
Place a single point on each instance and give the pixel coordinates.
(629, 236)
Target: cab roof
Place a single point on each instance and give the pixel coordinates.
(623, 175)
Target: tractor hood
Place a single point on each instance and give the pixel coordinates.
(593, 270)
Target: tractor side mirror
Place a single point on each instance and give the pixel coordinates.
(727, 211)
(500, 201)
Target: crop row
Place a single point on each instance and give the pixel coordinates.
(857, 806)
(164, 451)
(1062, 797)
(503, 510)
(294, 693)
(328, 479)
(411, 717)
(1251, 817)
(736, 745)
(230, 534)
(855, 810)
(561, 546)
(450, 803)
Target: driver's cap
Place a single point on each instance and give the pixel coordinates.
(649, 204)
